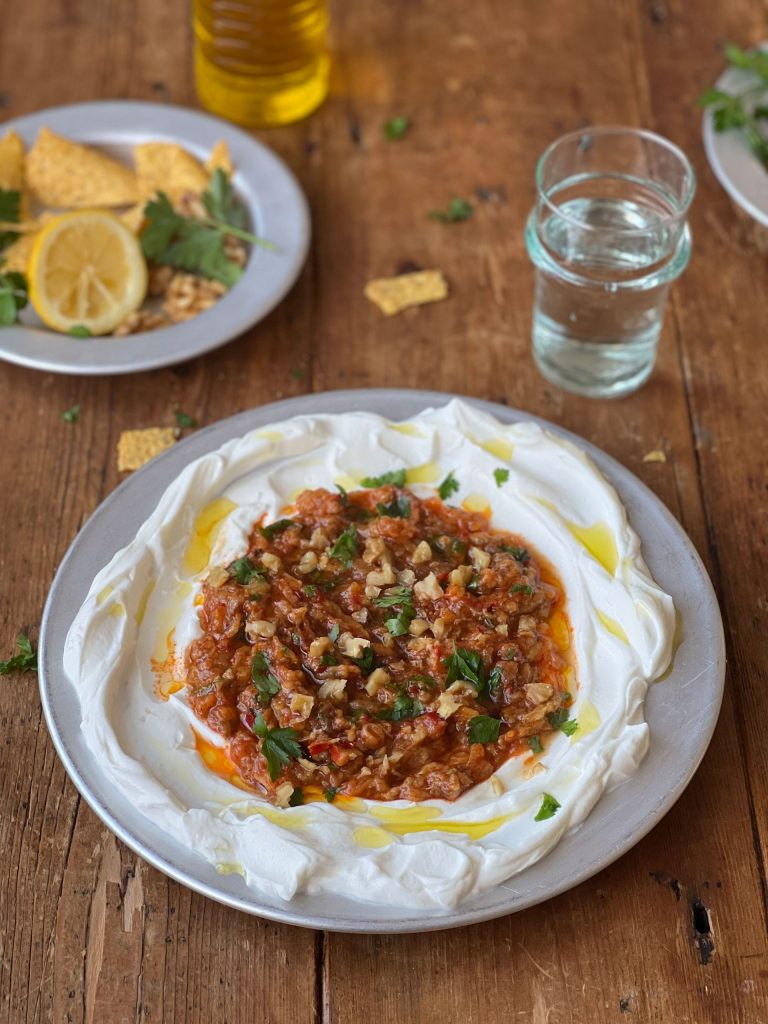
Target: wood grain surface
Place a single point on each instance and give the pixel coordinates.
(676, 931)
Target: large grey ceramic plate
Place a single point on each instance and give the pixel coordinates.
(690, 694)
(277, 210)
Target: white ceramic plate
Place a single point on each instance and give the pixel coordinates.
(277, 210)
(690, 695)
(736, 168)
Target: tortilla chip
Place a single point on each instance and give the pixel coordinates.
(137, 447)
(66, 174)
(11, 162)
(657, 455)
(166, 167)
(394, 294)
(134, 218)
(219, 159)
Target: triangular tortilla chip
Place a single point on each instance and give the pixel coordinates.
(11, 162)
(166, 167)
(65, 174)
(219, 159)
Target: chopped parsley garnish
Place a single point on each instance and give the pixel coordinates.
(521, 588)
(422, 680)
(345, 547)
(330, 793)
(80, 331)
(243, 571)
(396, 127)
(448, 487)
(561, 720)
(402, 598)
(279, 746)
(483, 729)
(403, 707)
(343, 495)
(333, 632)
(10, 212)
(534, 742)
(184, 420)
(398, 508)
(474, 585)
(267, 685)
(396, 595)
(465, 664)
(197, 244)
(399, 624)
(501, 476)
(309, 589)
(458, 209)
(72, 414)
(367, 661)
(495, 679)
(13, 296)
(328, 659)
(25, 661)
(549, 807)
(296, 798)
(279, 526)
(395, 477)
(519, 554)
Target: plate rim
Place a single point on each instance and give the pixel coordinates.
(128, 115)
(411, 922)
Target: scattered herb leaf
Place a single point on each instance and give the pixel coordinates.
(267, 685)
(333, 632)
(72, 414)
(396, 595)
(279, 746)
(501, 476)
(520, 555)
(404, 707)
(398, 508)
(309, 589)
(549, 807)
(395, 476)
(243, 571)
(448, 487)
(24, 661)
(80, 331)
(738, 110)
(483, 729)
(458, 210)
(184, 420)
(345, 547)
(562, 720)
(521, 588)
(495, 679)
(296, 798)
(396, 127)
(399, 624)
(367, 661)
(13, 296)
(465, 664)
(10, 213)
(330, 793)
(534, 742)
(279, 526)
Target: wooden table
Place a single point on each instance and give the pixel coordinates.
(90, 933)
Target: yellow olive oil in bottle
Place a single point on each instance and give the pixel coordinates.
(261, 62)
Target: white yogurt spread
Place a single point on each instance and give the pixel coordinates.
(433, 854)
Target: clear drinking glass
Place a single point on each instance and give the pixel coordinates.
(607, 237)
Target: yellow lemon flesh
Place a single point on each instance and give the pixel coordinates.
(86, 269)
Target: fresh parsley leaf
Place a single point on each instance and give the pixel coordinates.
(448, 487)
(396, 595)
(279, 526)
(398, 508)
(396, 127)
(549, 807)
(404, 706)
(367, 661)
(243, 571)
(562, 720)
(267, 685)
(309, 589)
(13, 296)
(520, 555)
(10, 213)
(474, 585)
(343, 495)
(296, 799)
(465, 664)
(736, 110)
(279, 746)
(163, 224)
(534, 742)
(72, 414)
(333, 632)
(327, 659)
(483, 729)
(199, 249)
(521, 588)
(495, 679)
(184, 420)
(24, 661)
(399, 624)
(80, 331)
(395, 476)
(345, 547)
(501, 476)
(458, 210)
(330, 793)
(221, 202)
(423, 680)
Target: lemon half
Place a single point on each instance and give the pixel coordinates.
(86, 268)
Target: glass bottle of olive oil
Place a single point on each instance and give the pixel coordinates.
(261, 62)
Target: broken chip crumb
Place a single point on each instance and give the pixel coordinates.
(657, 455)
(394, 294)
(136, 447)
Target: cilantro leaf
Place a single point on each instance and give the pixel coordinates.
(184, 420)
(521, 588)
(296, 799)
(398, 508)
(458, 210)
(72, 414)
(221, 202)
(399, 624)
(345, 547)
(199, 249)
(549, 807)
(395, 595)
(368, 660)
(25, 661)
(279, 746)
(534, 742)
(13, 296)
(520, 555)
(279, 526)
(448, 487)
(562, 720)
(10, 213)
(404, 707)
(80, 331)
(501, 476)
(163, 223)
(267, 685)
(465, 664)
(243, 571)
(495, 679)
(483, 729)
(394, 476)
(309, 589)
(330, 793)
(396, 127)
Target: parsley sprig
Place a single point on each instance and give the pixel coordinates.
(465, 664)
(394, 476)
(549, 807)
(483, 729)
(345, 546)
(561, 719)
(448, 487)
(279, 746)
(401, 599)
(739, 110)
(458, 210)
(24, 661)
(404, 706)
(267, 684)
(13, 296)
(398, 508)
(197, 245)
(243, 571)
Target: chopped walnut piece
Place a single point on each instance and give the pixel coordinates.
(140, 321)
